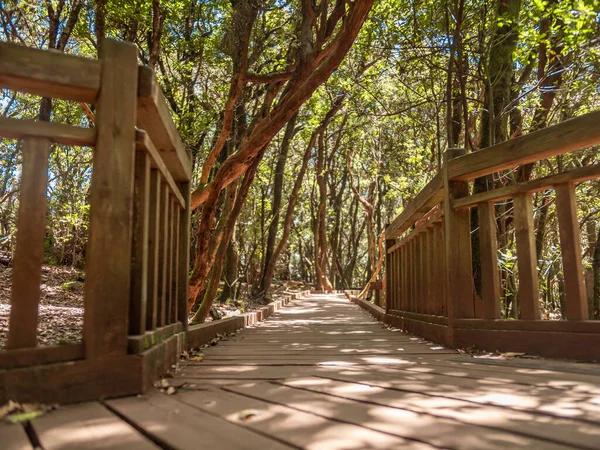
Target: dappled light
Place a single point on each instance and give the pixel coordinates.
(390, 383)
(289, 381)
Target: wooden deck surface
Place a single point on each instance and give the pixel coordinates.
(322, 374)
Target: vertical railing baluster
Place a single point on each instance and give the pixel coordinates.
(152, 305)
(29, 252)
(173, 260)
(398, 278)
(413, 275)
(488, 249)
(389, 270)
(570, 246)
(436, 274)
(163, 251)
(430, 280)
(139, 262)
(528, 296)
(183, 263)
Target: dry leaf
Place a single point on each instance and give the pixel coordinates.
(248, 414)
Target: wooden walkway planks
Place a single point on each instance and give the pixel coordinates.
(322, 374)
(87, 426)
(173, 424)
(14, 437)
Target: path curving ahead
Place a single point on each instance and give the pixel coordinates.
(323, 374)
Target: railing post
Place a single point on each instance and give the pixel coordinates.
(459, 284)
(108, 265)
(389, 274)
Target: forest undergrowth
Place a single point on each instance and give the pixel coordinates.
(61, 305)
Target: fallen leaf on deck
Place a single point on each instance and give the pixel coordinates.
(24, 417)
(511, 354)
(15, 412)
(248, 414)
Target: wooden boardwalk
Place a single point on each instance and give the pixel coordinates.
(322, 374)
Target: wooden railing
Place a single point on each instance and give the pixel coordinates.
(429, 280)
(137, 254)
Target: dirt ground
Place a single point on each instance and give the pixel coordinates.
(61, 305)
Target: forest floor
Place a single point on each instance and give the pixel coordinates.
(61, 305)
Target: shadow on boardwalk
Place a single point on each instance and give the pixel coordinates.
(322, 374)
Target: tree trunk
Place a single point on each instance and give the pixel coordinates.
(494, 120)
(277, 196)
(232, 217)
(323, 282)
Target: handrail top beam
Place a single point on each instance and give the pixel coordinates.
(564, 137)
(431, 195)
(154, 117)
(49, 73)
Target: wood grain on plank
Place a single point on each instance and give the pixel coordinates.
(302, 429)
(49, 74)
(88, 426)
(353, 404)
(493, 424)
(541, 401)
(183, 427)
(14, 437)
